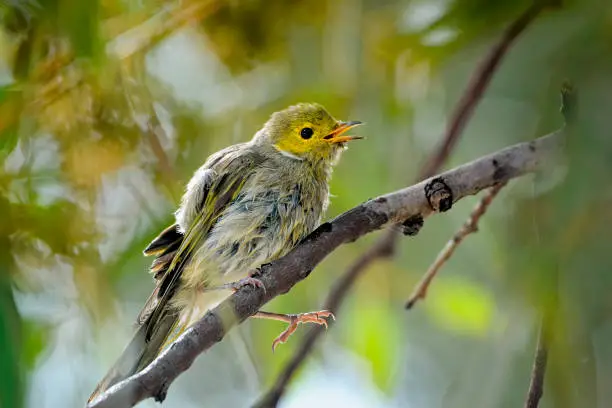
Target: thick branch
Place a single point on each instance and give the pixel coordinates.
(281, 275)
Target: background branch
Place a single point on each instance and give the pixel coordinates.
(281, 275)
(477, 86)
(385, 246)
(569, 110)
(536, 384)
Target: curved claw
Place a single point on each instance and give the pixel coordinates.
(248, 281)
(319, 318)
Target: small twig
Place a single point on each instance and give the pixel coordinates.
(170, 18)
(470, 226)
(536, 385)
(461, 115)
(144, 116)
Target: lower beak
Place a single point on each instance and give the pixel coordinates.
(337, 135)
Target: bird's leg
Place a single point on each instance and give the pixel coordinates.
(294, 320)
(249, 280)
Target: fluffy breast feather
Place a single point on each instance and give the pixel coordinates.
(272, 213)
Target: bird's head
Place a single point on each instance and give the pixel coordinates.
(306, 131)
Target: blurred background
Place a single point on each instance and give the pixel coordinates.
(107, 107)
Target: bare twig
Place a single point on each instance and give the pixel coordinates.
(478, 84)
(169, 19)
(462, 113)
(281, 275)
(536, 385)
(470, 226)
(144, 116)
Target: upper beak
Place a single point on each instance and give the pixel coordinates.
(336, 135)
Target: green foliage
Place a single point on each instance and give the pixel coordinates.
(11, 387)
(462, 306)
(9, 135)
(107, 108)
(34, 342)
(375, 337)
(80, 21)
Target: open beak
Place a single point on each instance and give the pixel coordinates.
(337, 135)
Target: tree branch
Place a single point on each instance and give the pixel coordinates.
(281, 275)
(386, 244)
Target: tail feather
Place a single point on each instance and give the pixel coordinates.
(125, 366)
(152, 335)
(139, 353)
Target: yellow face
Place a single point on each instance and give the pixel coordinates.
(308, 131)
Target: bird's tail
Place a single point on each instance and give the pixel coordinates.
(152, 336)
(160, 321)
(140, 352)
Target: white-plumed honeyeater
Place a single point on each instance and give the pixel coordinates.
(248, 205)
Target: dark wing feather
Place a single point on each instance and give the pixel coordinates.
(164, 246)
(168, 239)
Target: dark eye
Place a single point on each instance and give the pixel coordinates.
(306, 133)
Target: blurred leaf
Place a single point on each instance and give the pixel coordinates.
(8, 142)
(11, 386)
(478, 16)
(10, 101)
(80, 20)
(459, 305)
(35, 338)
(44, 222)
(374, 334)
(100, 157)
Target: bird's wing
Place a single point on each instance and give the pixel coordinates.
(164, 247)
(228, 171)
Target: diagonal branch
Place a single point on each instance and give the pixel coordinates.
(470, 227)
(281, 275)
(385, 245)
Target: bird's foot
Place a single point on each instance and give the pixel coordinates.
(237, 285)
(294, 320)
(248, 281)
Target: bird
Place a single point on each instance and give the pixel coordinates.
(246, 206)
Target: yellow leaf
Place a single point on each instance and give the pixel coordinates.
(375, 335)
(461, 306)
(86, 161)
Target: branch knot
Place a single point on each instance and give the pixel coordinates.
(439, 195)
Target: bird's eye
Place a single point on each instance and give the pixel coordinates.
(306, 133)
